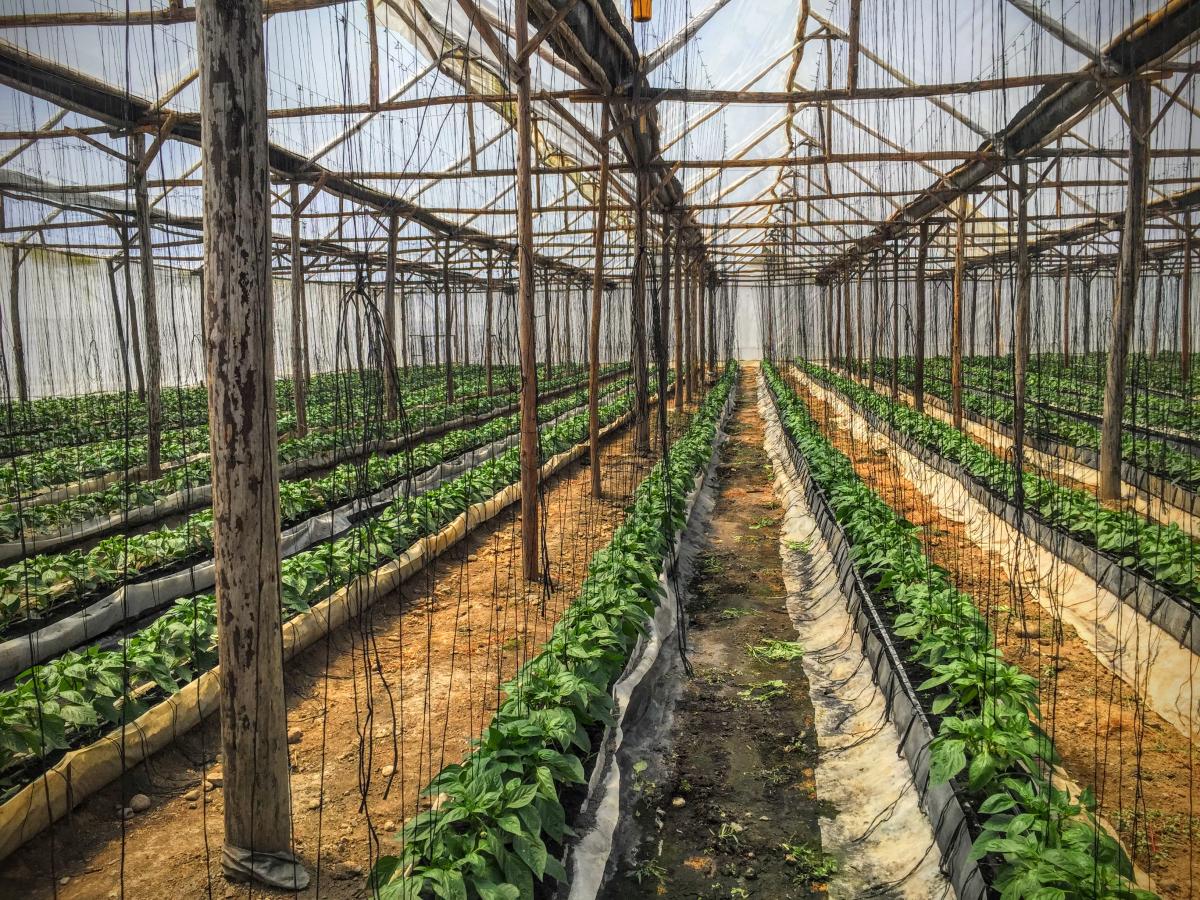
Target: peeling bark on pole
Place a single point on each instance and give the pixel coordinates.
(919, 321)
(241, 399)
(149, 317)
(525, 290)
(299, 382)
(14, 314)
(956, 329)
(601, 222)
(1021, 329)
(1125, 296)
(390, 387)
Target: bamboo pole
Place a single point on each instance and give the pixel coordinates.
(1125, 297)
(956, 329)
(299, 384)
(244, 443)
(525, 290)
(14, 313)
(390, 386)
(919, 323)
(149, 312)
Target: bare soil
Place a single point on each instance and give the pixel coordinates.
(1143, 771)
(736, 813)
(374, 711)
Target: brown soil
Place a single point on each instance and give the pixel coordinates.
(739, 781)
(374, 711)
(1142, 769)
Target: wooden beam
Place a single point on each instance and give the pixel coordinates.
(852, 53)
(244, 442)
(173, 15)
(1125, 296)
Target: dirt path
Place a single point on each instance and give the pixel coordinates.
(1141, 768)
(736, 814)
(374, 711)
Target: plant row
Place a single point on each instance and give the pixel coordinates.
(77, 460)
(48, 518)
(501, 819)
(1163, 553)
(41, 583)
(1156, 457)
(73, 697)
(985, 708)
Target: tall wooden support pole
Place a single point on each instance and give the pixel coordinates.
(678, 320)
(997, 293)
(689, 324)
(135, 333)
(1125, 296)
(437, 326)
(919, 321)
(973, 328)
(1066, 312)
(390, 386)
(489, 312)
(525, 301)
(827, 315)
(549, 337)
(141, 195)
(403, 304)
(122, 340)
(702, 326)
(641, 377)
(1185, 309)
(711, 293)
(448, 292)
(847, 325)
(875, 316)
(860, 353)
(241, 405)
(896, 326)
(1020, 347)
(601, 222)
(1156, 314)
(664, 298)
(299, 384)
(956, 329)
(14, 315)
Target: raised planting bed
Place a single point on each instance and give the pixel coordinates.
(502, 823)
(982, 760)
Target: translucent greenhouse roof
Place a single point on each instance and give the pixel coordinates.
(805, 180)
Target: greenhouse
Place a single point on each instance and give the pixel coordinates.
(599, 449)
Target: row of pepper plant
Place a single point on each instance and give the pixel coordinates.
(1165, 554)
(1154, 456)
(48, 518)
(78, 695)
(1047, 845)
(495, 832)
(38, 585)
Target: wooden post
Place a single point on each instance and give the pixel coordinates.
(1020, 347)
(664, 297)
(641, 384)
(150, 313)
(973, 328)
(241, 403)
(848, 326)
(1125, 296)
(14, 314)
(437, 325)
(689, 318)
(390, 386)
(1185, 309)
(299, 385)
(701, 330)
(122, 343)
(546, 324)
(1156, 314)
(465, 355)
(711, 293)
(896, 326)
(919, 321)
(488, 313)
(956, 329)
(997, 287)
(600, 224)
(448, 290)
(827, 313)
(525, 288)
(135, 335)
(875, 314)
(403, 304)
(680, 379)
(1066, 312)
(860, 351)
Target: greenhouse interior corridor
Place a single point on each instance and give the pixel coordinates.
(599, 449)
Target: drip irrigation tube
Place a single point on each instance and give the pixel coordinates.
(954, 822)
